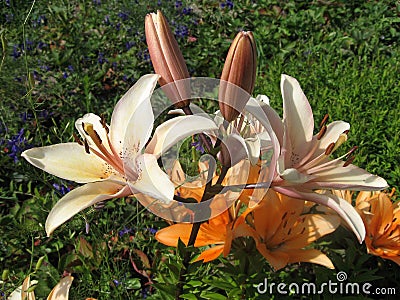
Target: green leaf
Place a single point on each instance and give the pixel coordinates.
(212, 296)
(133, 283)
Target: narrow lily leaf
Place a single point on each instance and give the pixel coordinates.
(80, 198)
(170, 132)
(68, 161)
(61, 290)
(152, 180)
(138, 97)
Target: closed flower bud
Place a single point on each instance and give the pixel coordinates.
(167, 59)
(238, 76)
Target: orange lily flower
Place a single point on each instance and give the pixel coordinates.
(218, 232)
(282, 231)
(381, 217)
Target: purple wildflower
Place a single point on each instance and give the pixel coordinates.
(16, 145)
(123, 15)
(181, 31)
(129, 45)
(198, 146)
(116, 282)
(124, 231)
(100, 58)
(152, 230)
(227, 4)
(62, 189)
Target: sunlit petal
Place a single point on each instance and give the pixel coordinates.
(122, 120)
(349, 177)
(80, 198)
(170, 132)
(333, 131)
(341, 206)
(68, 161)
(152, 180)
(211, 253)
(61, 290)
(311, 256)
(297, 115)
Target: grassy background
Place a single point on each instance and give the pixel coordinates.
(62, 59)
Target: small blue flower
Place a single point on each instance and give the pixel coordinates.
(116, 282)
(100, 58)
(152, 230)
(198, 146)
(62, 189)
(123, 15)
(129, 45)
(16, 145)
(181, 31)
(124, 231)
(227, 4)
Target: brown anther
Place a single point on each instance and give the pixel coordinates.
(349, 161)
(329, 149)
(284, 215)
(86, 146)
(83, 127)
(322, 132)
(104, 123)
(97, 137)
(324, 120)
(303, 230)
(346, 131)
(353, 149)
(77, 139)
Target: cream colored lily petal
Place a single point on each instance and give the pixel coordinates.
(61, 290)
(137, 98)
(254, 108)
(350, 177)
(236, 147)
(333, 131)
(20, 292)
(297, 116)
(68, 161)
(343, 208)
(95, 120)
(170, 132)
(273, 117)
(152, 180)
(293, 176)
(253, 147)
(80, 198)
(263, 99)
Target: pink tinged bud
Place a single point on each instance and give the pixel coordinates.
(239, 71)
(167, 59)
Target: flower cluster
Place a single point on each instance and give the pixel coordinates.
(261, 168)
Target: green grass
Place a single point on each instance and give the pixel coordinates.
(62, 59)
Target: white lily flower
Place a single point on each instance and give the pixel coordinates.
(112, 160)
(304, 163)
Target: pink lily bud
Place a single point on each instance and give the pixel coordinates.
(167, 59)
(238, 76)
